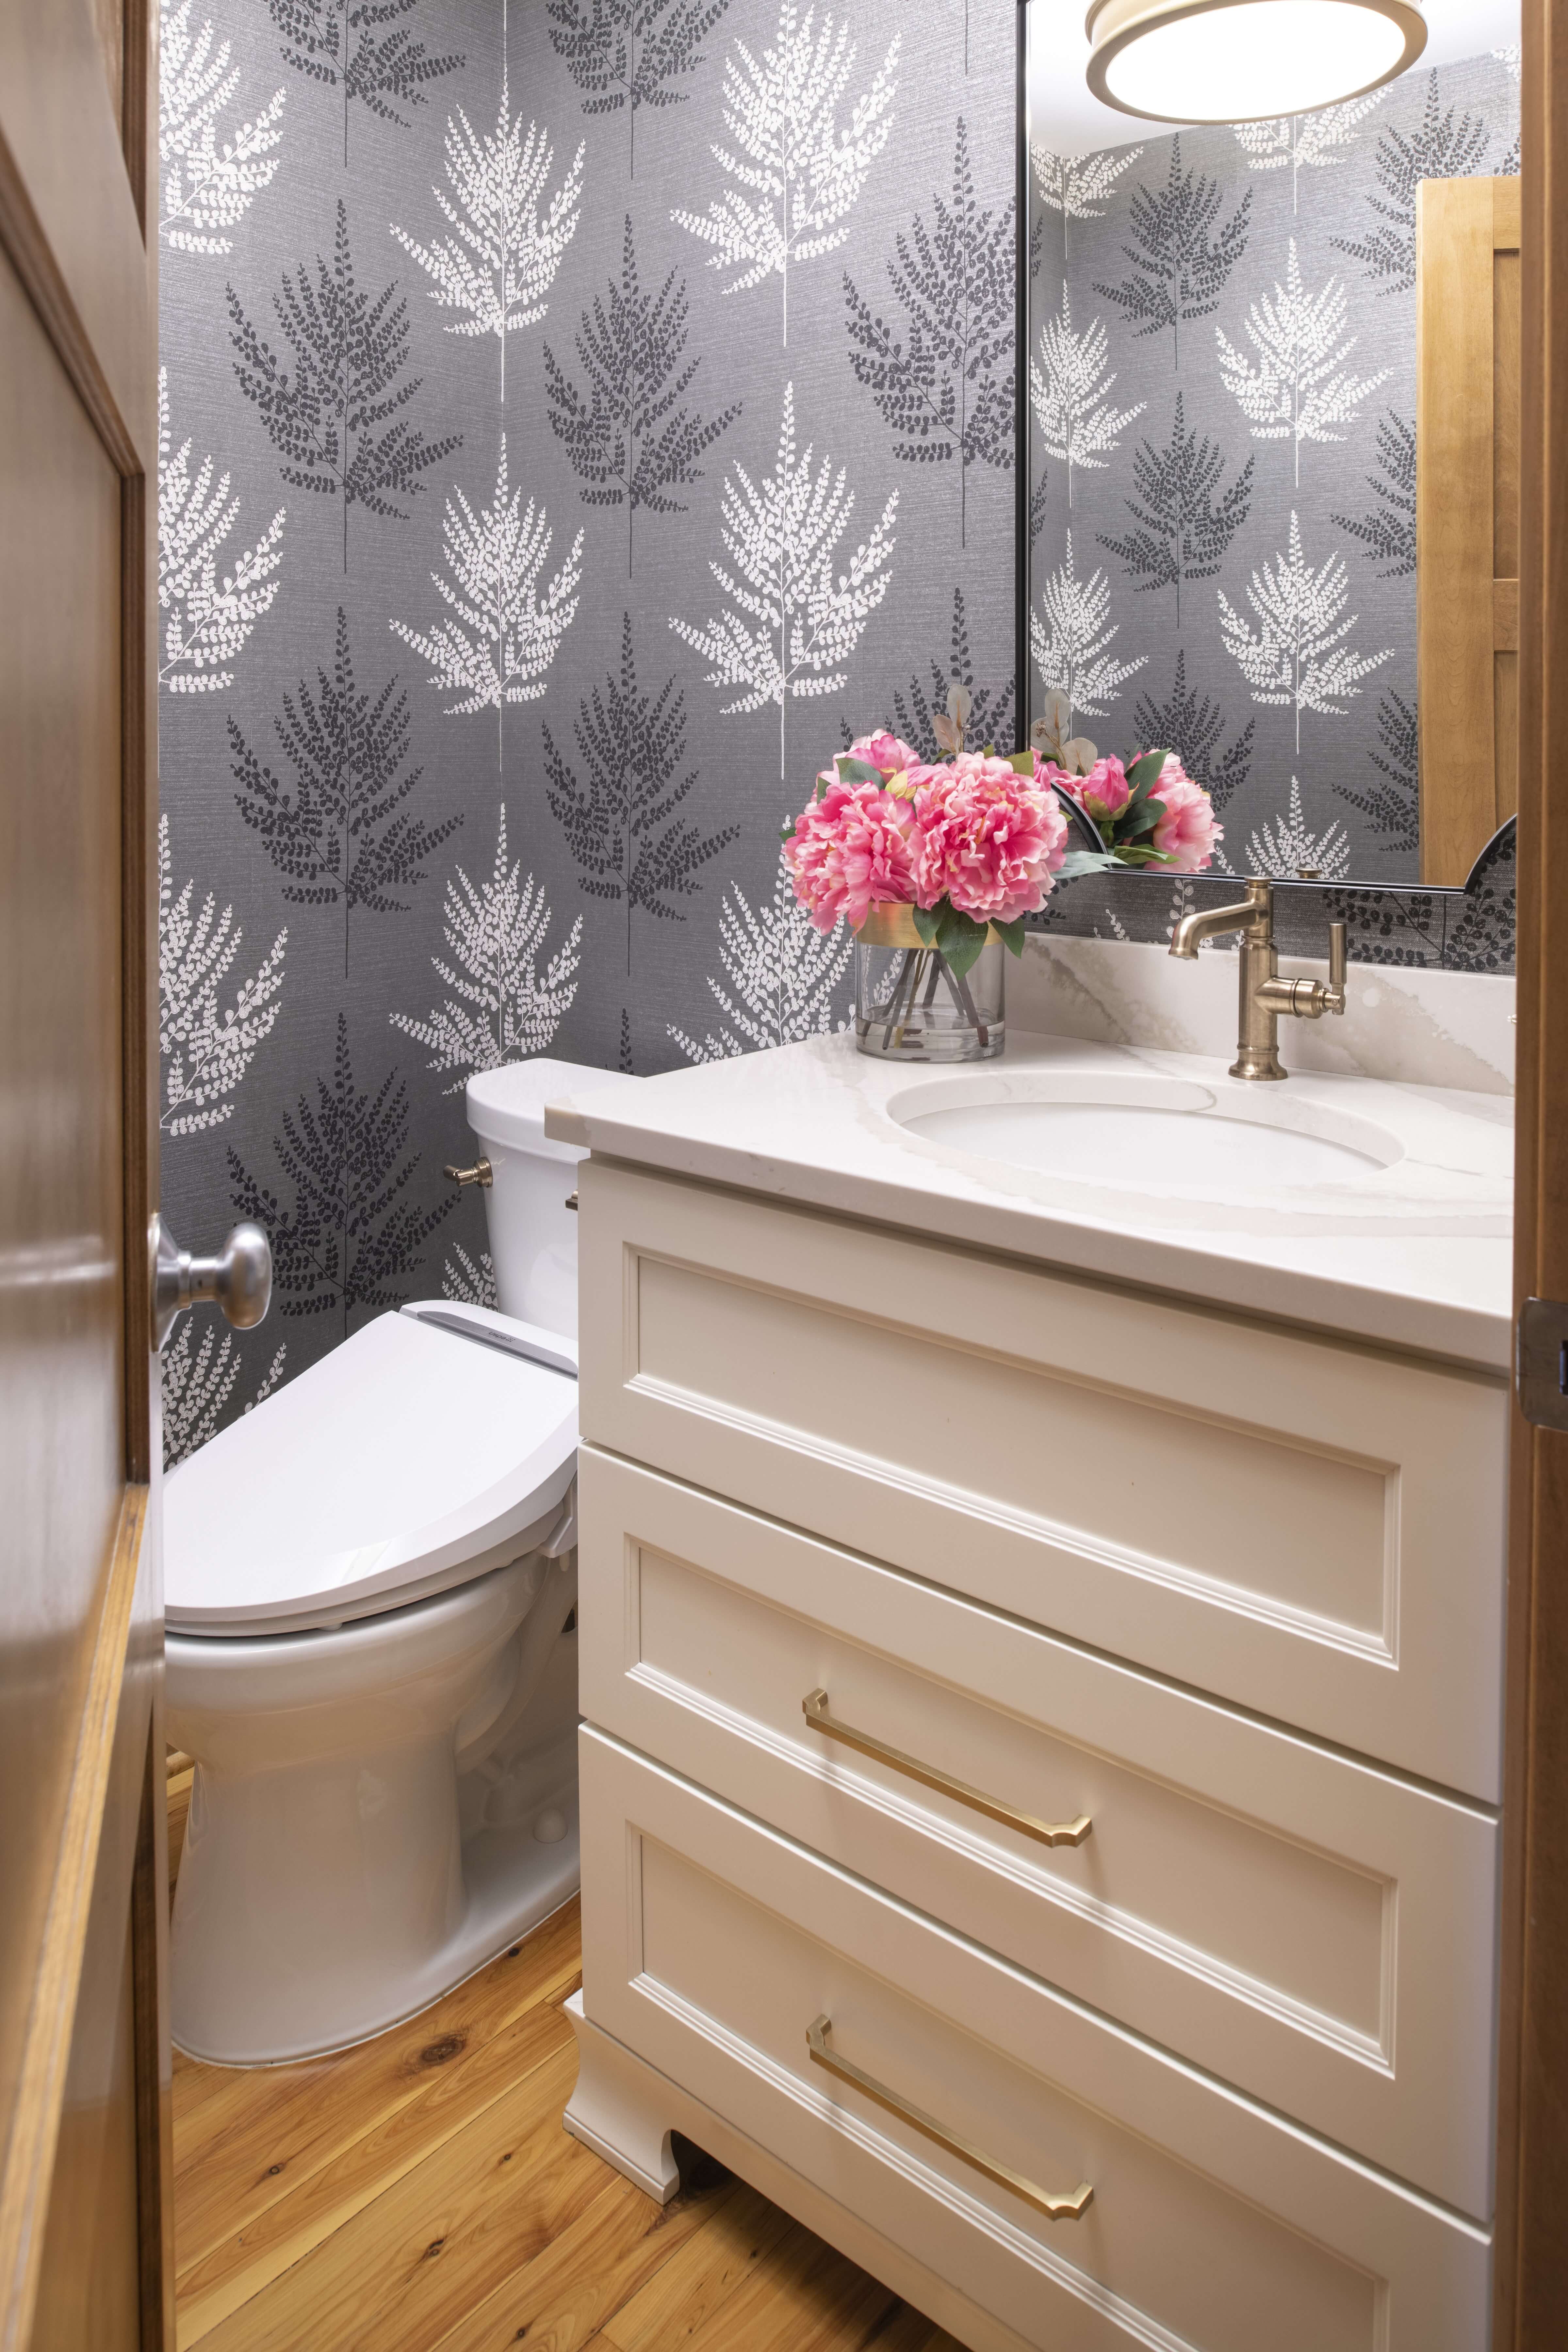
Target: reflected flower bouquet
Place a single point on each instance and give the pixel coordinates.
(1147, 813)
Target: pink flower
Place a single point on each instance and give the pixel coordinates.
(852, 849)
(1103, 793)
(1186, 834)
(988, 839)
(889, 752)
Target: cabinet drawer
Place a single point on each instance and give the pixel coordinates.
(711, 1945)
(1309, 1528)
(1310, 1928)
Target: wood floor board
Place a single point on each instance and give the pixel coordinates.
(560, 2301)
(325, 2202)
(400, 2274)
(802, 2296)
(419, 2194)
(697, 2280)
(261, 2131)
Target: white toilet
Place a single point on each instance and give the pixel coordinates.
(368, 1581)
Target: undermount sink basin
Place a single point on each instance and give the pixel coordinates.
(1131, 1132)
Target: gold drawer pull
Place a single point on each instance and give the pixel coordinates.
(1054, 2209)
(813, 1706)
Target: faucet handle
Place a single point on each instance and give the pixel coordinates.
(1336, 958)
(1333, 996)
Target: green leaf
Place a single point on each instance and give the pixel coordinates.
(1146, 817)
(788, 833)
(1135, 853)
(959, 938)
(857, 772)
(1078, 862)
(1021, 762)
(1011, 934)
(1144, 772)
(926, 920)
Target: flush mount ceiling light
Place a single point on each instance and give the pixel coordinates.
(1241, 60)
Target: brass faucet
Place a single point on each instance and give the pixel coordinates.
(1265, 997)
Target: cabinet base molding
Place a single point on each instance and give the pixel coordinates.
(620, 2109)
(625, 2110)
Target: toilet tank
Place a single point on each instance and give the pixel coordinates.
(534, 1234)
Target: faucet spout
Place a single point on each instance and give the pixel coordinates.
(1252, 912)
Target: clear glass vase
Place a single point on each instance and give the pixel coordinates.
(909, 1003)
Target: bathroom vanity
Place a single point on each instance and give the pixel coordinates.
(1041, 1662)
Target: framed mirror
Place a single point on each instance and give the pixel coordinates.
(1268, 427)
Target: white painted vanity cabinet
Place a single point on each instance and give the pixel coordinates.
(1046, 1549)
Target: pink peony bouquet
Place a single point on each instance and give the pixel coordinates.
(968, 844)
(1148, 813)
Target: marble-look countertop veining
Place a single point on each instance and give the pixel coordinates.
(1413, 1255)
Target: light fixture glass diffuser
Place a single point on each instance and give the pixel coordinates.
(1244, 61)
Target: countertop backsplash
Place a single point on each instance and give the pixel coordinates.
(1403, 1025)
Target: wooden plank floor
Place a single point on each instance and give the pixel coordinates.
(418, 2194)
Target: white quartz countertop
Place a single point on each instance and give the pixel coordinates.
(1414, 1255)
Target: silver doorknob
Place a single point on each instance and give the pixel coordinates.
(238, 1279)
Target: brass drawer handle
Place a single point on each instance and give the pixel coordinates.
(1054, 2209)
(813, 1706)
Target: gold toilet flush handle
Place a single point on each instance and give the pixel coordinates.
(813, 1706)
(481, 1174)
(1068, 2208)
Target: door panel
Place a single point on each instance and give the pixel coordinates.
(61, 1207)
(84, 2073)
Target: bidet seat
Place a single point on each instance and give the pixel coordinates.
(432, 1446)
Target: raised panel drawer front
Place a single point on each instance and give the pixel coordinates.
(1308, 1927)
(713, 1946)
(1312, 1530)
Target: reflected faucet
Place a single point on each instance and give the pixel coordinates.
(1265, 998)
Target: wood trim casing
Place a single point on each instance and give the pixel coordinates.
(28, 2167)
(1530, 2270)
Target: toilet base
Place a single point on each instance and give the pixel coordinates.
(512, 1882)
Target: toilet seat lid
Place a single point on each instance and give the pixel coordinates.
(416, 1455)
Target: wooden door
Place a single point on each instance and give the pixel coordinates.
(1531, 2264)
(1467, 516)
(84, 2071)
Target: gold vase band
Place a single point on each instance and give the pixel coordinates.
(893, 926)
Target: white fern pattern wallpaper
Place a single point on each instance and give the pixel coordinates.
(575, 415)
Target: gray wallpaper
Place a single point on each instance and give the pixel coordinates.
(1222, 365)
(535, 520)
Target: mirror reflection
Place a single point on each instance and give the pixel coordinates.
(1273, 390)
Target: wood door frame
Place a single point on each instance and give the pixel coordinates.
(1531, 2295)
(77, 222)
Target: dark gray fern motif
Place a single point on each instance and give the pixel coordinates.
(620, 821)
(1442, 147)
(1192, 726)
(347, 43)
(629, 53)
(1184, 526)
(1180, 262)
(335, 422)
(1387, 530)
(336, 835)
(946, 386)
(631, 438)
(991, 716)
(1039, 504)
(625, 1060)
(1392, 807)
(350, 1238)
